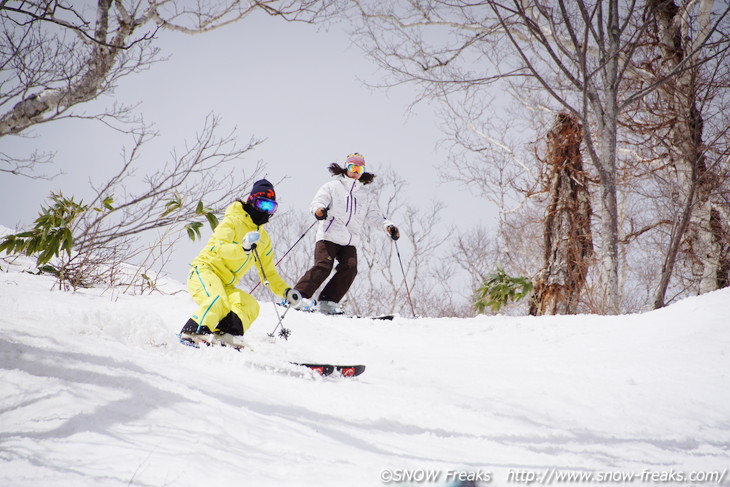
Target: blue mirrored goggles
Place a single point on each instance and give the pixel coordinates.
(264, 204)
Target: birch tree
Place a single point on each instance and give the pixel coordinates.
(685, 130)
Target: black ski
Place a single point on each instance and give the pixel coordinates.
(344, 315)
(379, 317)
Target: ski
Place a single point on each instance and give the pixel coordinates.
(239, 344)
(379, 317)
(344, 315)
(329, 369)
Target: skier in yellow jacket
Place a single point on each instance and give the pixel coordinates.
(233, 249)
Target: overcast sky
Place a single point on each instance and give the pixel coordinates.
(295, 85)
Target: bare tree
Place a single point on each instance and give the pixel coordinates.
(382, 286)
(103, 237)
(485, 159)
(490, 156)
(576, 56)
(676, 120)
(28, 166)
(56, 55)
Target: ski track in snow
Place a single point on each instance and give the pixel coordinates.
(97, 391)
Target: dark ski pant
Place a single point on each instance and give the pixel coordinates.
(325, 254)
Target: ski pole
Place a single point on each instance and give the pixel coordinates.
(405, 281)
(285, 332)
(290, 249)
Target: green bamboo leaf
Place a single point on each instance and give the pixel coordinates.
(172, 205)
(7, 245)
(49, 269)
(44, 257)
(212, 220)
(193, 230)
(109, 203)
(498, 289)
(68, 241)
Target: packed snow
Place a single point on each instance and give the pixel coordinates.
(97, 391)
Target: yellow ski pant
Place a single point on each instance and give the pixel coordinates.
(215, 300)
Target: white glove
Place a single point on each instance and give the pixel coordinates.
(249, 241)
(292, 296)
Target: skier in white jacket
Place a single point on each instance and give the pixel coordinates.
(343, 206)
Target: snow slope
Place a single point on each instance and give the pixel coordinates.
(96, 391)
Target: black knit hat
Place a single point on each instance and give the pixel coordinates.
(263, 189)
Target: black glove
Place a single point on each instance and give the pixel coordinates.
(393, 231)
(321, 214)
(292, 296)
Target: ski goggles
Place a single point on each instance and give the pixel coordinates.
(264, 204)
(356, 168)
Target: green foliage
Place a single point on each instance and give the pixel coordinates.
(107, 205)
(498, 289)
(173, 205)
(208, 213)
(52, 233)
(52, 236)
(193, 228)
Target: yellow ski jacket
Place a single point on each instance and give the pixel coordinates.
(224, 255)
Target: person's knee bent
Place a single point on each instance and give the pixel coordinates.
(348, 266)
(245, 307)
(211, 312)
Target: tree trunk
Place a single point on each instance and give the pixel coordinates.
(568, 238)
(601, 93)
(721, 236)
(701, 227)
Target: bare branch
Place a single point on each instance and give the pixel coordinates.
(56, 56)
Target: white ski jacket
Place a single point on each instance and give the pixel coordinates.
(349, 206)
